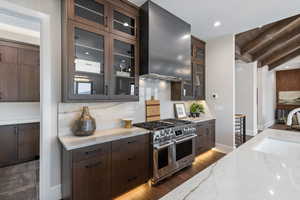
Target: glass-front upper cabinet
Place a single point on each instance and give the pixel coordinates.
(88, 63)
(199, 80)
(90, 12)
(188, 92)
(124, 23)
(124, 70)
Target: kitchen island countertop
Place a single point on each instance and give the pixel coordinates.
(265, 168)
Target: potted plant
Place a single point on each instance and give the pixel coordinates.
(196, 109)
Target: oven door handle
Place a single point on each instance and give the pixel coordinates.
(163, 146)
(185, 139)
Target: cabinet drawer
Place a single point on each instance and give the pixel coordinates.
(89, 152)
(129, 143)
(91, 179)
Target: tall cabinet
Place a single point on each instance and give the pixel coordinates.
(193, 89)
(19, 72)
(100, 50)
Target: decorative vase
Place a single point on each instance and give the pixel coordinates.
(85, 125)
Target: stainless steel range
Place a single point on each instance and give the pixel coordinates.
(173, 144)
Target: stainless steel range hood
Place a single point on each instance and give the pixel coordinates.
(165, 44)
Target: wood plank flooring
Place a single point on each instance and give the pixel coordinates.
(147, 192)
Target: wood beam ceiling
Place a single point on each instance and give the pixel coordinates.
(272, 45)
(282, 52)
(279, 43)
(272, 34)
(284, 59)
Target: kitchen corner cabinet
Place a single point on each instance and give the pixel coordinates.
(100, 51)
(19, 143)
(19, 72)
(106, 170)
(205, 139)
(195, 88)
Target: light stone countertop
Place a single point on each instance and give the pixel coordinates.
(200, 119)
(72, 142)
(19, 121)
(248, 173)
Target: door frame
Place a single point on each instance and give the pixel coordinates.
(48, 106)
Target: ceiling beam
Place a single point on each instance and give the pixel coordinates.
(282, 52)
(238, 56)
(284, 59)
(276, 44)
(271, 34)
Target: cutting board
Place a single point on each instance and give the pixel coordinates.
(152, 110)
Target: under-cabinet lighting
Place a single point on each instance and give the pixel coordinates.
(217, 24)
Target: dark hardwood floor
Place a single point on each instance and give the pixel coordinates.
(147, 192)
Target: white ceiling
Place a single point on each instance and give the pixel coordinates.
(292, 64)
(235, 15)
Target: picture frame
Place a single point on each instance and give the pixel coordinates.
(180, 111)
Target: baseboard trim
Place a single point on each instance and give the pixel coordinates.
(223, 148)
(251, 132)
(56, 192)
(269, 124)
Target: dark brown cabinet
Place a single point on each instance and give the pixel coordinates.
(8, 146)
(198, 68)
(28, 142)
(100, 51)
(130, 161)
(18, 143)
(205, 139)
(106, 170)
(195, 88)
(19, 72)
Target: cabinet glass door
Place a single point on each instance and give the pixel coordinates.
(90, 12)
(124, 24)
(187, 89)
(89, 63)
(199, 80)
(124, 70)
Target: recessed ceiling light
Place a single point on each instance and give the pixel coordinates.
(125, 24)
(217, 24)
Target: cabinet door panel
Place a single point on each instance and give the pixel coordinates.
(9, 82)
(29, 75)
(27, 141)
(124, 23)
(88, 63)
(8, 146)
(124, 70)
(90, 12)
(8, 55)
(91, 179)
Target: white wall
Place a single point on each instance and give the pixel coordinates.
(266, 81)
(246, 94)
(220, 73)
(19, 111)
(53, 10)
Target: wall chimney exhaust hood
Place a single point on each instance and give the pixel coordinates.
(165, 44)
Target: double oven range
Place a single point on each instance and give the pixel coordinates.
(173, 143)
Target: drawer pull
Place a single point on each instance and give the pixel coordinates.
(131, 142)
(93, 151)
(132, 158)
(132, 179)
(93, 165)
